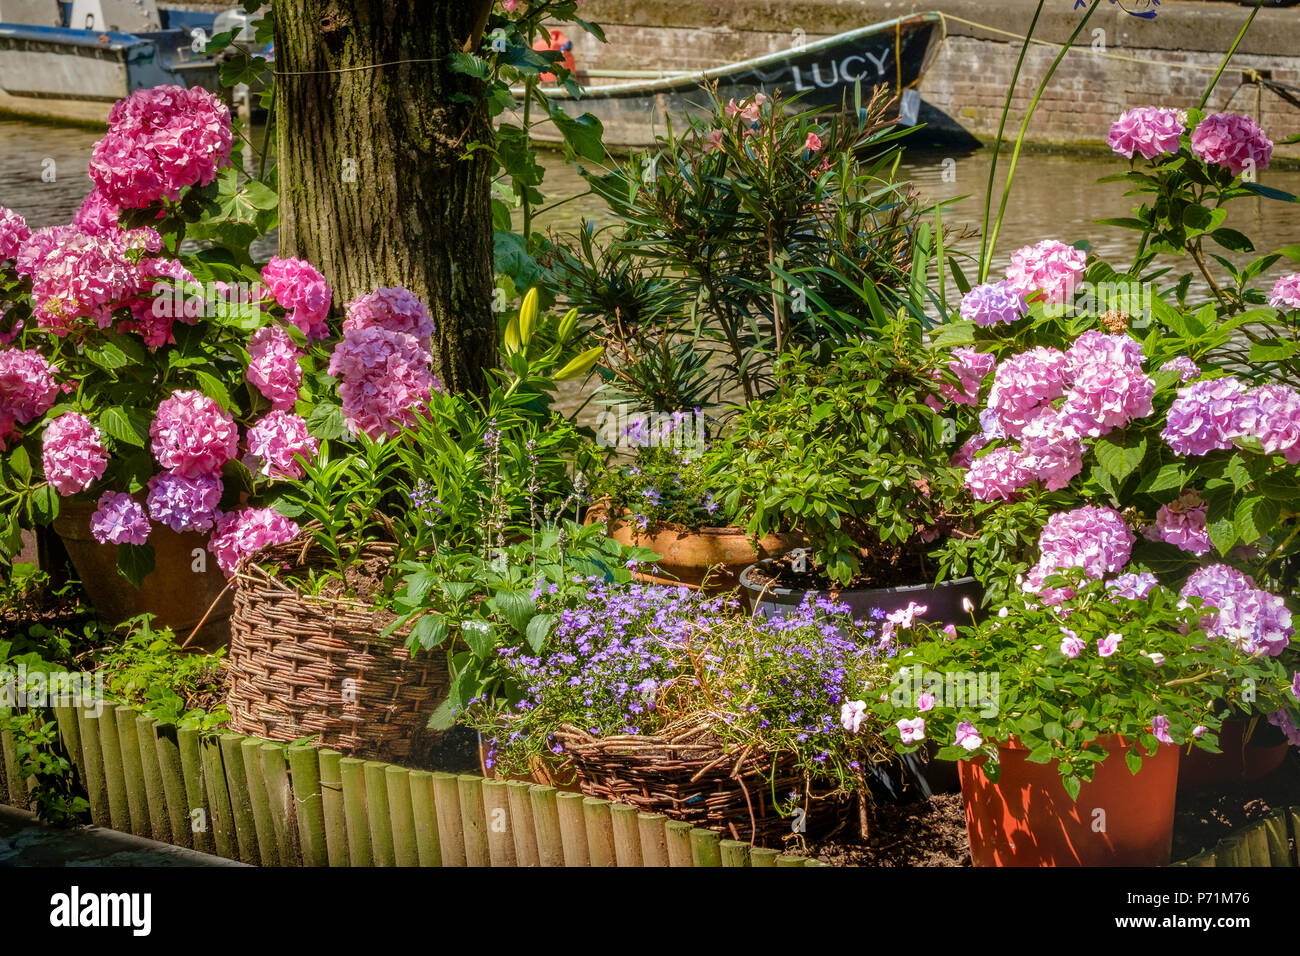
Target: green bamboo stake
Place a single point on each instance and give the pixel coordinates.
(496, 806)
(1203, 859)
(377, 816)
(65, 715)
(1295, 829)
(405, 849)
(243, 820)
(678, 833)
(214, 779)
(811, 862)
(734, 852)
(132, 770)
(761, 856)
(546, 823)
(573, 828)
(1279, 848)
(654, 839)
(600, 832)
(250, 753)
(473, 820)
(198, 813)
(304, 769)
(146, 741)
(1255, 845)
(353, 774)
(451, 835)
(173, 781)
(704, 848)
(93, 755)
(523, 827)
(279, 796)
(331, 798)
(119, 812)
(627, 836)
(790, 861)
(13, 778)
(424, 810)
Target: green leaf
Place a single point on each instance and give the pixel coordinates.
(326, 423)
(1120, 458)
(1256, 517)
(1072, 785)
(115, 423)
(538, 629)
(1232, 240)
(135, 562)
(21, 464)
(516, 607)
(480, 637)
(214, 388)
(1278, 351)
(583, 135)
(1164, 478)
(1134, 761)
(430, 630)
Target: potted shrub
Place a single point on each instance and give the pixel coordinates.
(1068, 718)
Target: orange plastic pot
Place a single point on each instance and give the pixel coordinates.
(708, 558)
(1027, 818)
(1242, 760)
(176, 593)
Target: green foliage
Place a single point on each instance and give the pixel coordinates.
(663, 486)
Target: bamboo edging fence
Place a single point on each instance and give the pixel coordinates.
(271, 804)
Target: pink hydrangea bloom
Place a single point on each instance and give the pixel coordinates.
(192, 436)
(1295, 685)
(397, 310)
(1182, 524)
(241, 533)
(1205, 416)
(1023, 384)
(1050, 267)
(1105, 396)
(1283, 722)
(159, 141)
(274, 443)
(971, 368)
(302, 291)
(993, 303)
(184, 504)
(75, 275)
(1233, 141)
(273, 367)
(964, 457)
(27, 388)
(120, 519)
(1092, 538)
(1051, 450)
(384, 379)
(72, 453)
(1150, 130)
(1135, 585)
(97, 214)
(13, 233)
(1185, 367)
(1271, 413)
(1095, 347)
(998, 475)
(1251, 618)
(1285, 294)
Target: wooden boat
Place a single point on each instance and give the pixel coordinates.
(894, 54)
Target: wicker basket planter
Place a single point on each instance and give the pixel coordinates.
(303, 665)
(686, 776)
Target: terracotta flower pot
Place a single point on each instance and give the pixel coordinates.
(1027, 818)
(1241, 761)
(175, 593)
(691, 556)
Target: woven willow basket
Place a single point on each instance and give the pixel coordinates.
(685, 776)
(303, 665)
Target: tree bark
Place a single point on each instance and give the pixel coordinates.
(375, 189)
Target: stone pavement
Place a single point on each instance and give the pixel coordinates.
(25, 841)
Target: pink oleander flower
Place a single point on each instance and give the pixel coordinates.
(1050, 267)
(1271, 413)
(159, 141)
(912, 731)
(120, 519)
(397, 310)
(813, 143)
(971, 368)
(13, 233)
(1205, 416)
(1072, 645)
(275, 442)
(1182, 523)
(1108, 645)
(273, 367)
(1283, 722)
(852, 714)
(1150, 130)
(1135, 585)
(27, 388)
(1160, 729)
(713, 141)
(967, 737)
(184, 504)
(1232, 141)
(1185, 367)
(72, 453)
(76, 275)
(192, 436)
(998, 475)
(301, 291)
(993, 303)
(1285, 294)
(1094, 539)
(384, 380)
(749, 113)
(1051, 451)
(239, 534)
(1023, 384)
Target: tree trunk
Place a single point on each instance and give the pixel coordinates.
(374, 189)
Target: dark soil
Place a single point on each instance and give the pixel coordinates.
(933, 832)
